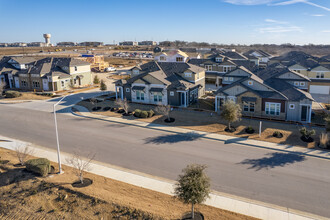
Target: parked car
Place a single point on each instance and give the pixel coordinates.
(110, 69)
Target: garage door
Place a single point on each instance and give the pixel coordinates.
(319, 89)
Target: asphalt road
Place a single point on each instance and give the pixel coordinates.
(284, 179)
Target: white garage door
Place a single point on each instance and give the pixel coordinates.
(319, 89)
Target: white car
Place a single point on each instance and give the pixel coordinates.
(110, 69)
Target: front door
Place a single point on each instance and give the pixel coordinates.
(182, 98)
(304, 110)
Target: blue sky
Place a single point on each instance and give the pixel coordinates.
(218, 21)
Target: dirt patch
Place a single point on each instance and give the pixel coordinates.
(27, 196)
(28, 96)
(213, 123)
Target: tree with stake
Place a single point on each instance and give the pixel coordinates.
(103, 86)
(193, 186)
(80, 164)
(96, 80)
(231, 112)
(164, 110)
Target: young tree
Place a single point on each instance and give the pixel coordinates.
(23, 151)
(93, 101)
(193, 186)
(231, 112)
(80, 164)
(164, 110)
(96, 80)
(307, 134)
(123, 104)
(103, 86)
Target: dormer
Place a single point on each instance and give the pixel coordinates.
(219, 59)
(135, 71)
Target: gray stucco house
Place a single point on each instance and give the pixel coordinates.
(163, 83)
(275, 92)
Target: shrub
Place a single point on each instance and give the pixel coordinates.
(324, 139)
(40, 166)
(137, 113)
(151, 113)
(307, 133)
(144, 114)
(277, 134)
(12, 94)
(327, 106)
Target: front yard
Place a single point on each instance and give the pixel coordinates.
(211, 122)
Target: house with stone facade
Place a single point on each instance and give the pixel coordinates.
(44, 74)
(174, 82)
(274, 93)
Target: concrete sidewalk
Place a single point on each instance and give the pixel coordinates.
(217, 199)
(211, 136)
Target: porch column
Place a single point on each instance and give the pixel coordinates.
(186, 99)
(121, 92)
(116, 92)
(310, 114)
(216, 104)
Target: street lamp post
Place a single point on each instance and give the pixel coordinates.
(57, 140)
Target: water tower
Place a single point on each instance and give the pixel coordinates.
(47, 39)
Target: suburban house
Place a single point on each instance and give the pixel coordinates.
(275, 92)
(259, 57)
(315, 68)
(44, 74)
(217, 64)
(167, 83)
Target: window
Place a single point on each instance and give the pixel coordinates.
(171, 93)
(187, 74)
(250, 83)
(226, 79)
(158, 97)
(296, 83)
(75, 68)
(140, 95)
(36, 84)
(291, 106)
(218, 59)
(179, 59)
(298, 71)
(62, 83)
(319, 75)
(302, 83)
(248, 106)
(231, 79)
(208, 67)
(75, 81)
(127, 89)
(232, 98)
(273, 108)
(24, 83)
(226, 69)
(162, 58)
(135, 71)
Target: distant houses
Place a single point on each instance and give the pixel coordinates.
(44, 74)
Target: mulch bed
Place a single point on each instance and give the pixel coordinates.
(127, 114)
(231, 130)
(169, 120)
(106, 108)
(278, 135)
(86, 183)
(96, 109)
(249, 131)
(198, 216)
(308, 140)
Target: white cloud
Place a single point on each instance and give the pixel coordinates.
(280, 29)
(275, 3)
(275, 21)
(318, 15)
(326, 31)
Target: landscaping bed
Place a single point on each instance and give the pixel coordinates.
(28, 196)
(213, 123)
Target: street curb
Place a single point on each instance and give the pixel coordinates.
(217, 199)
(206, 135)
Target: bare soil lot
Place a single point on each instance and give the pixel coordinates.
(205, 121)
(26, 196)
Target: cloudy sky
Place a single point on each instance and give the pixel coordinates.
(218, 21)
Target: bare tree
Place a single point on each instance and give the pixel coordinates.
(164, 110)
(81, 164)
(123, 104)
(23, 151)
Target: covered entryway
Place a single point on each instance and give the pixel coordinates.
(183, 98)
(319, 89)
